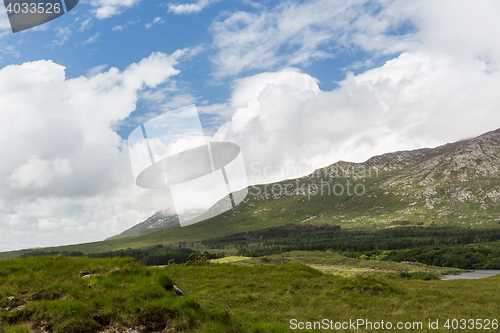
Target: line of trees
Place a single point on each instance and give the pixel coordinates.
(482, 256)
(331, 237)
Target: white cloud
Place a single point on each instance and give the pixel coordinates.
(62, 35)
(63, 167)
(85, 25)
(40, 173)
(455, 28)
(123, 26)
(443, 86)
(417, 100)
(295, 33)
(92, 39)
(108, 8)
(96, 70)
(9, 49)
(253, 4)
(192, 8)
(157, 20)
(4, 21)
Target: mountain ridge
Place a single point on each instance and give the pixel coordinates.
(158, 221)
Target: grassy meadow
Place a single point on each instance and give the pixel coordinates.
(339, 265)
(67, 294)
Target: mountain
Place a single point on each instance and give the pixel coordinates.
(156, 222)
(457, 184)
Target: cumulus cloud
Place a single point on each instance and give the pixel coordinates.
(108, 8)
(40, 173)
(192, 8)
(283, 120)
(442, 85)
(63, 167)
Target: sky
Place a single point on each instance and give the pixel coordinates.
(298, 85)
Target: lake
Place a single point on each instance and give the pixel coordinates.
(476, 274)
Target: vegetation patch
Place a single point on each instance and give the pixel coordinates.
(70, 294)
(476, 256)
(150, 256)
(337, 264)
(120, 293)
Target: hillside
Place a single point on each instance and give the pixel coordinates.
(456, 184)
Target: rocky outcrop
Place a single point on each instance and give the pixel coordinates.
(158, 221)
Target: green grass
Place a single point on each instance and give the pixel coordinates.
(264, 298)
(340, 265)
(70, 295)
(229, 259)
(120, 293)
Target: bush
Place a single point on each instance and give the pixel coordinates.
(166, 282)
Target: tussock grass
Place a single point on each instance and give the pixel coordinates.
(89, 295)
(69, 295)
(263, 298)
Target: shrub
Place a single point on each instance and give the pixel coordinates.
(166, 282)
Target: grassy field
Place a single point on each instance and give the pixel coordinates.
(67, 295)
(336, 264)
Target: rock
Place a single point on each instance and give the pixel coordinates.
(177, 291)
(86, 276)
(20, 307)
(83, 273)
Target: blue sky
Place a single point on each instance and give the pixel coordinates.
(291, 82)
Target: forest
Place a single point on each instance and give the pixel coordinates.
(465, 248)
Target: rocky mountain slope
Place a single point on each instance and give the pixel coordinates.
(154, 223)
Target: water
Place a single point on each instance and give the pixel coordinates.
(477, 274)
